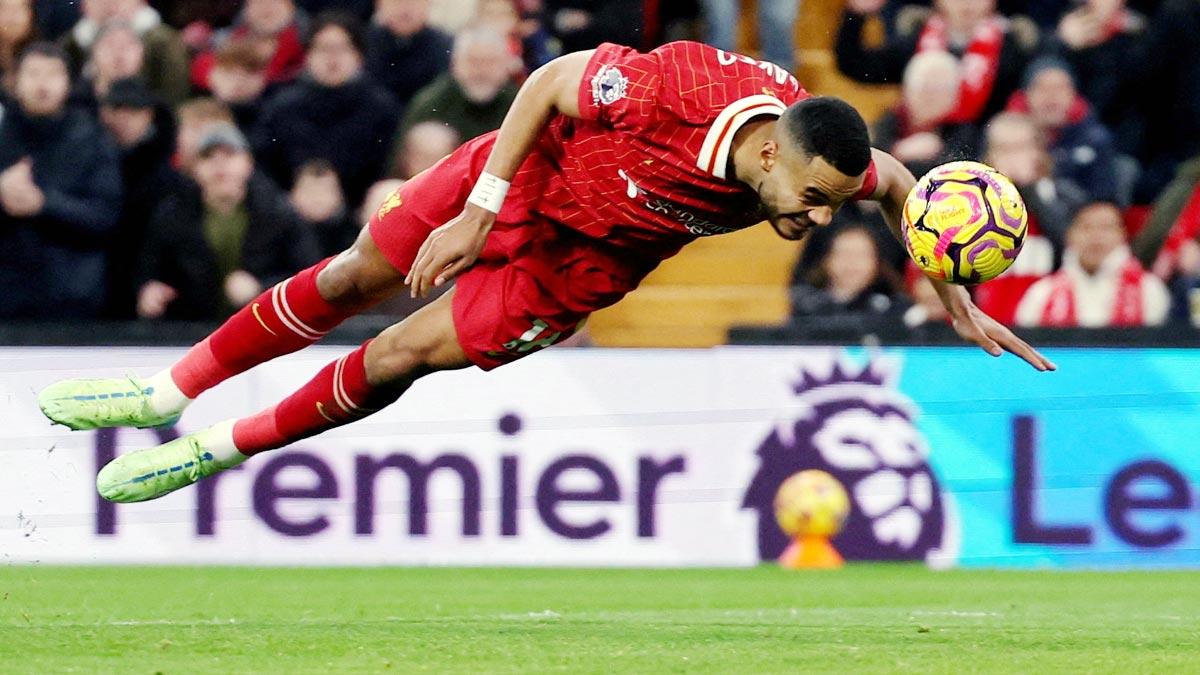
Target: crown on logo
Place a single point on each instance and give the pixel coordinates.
(877, 372)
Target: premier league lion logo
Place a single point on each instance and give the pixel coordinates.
(857, 426)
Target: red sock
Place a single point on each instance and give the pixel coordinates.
(286, 318)
(338, 395)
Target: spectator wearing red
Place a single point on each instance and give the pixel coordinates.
(1169, 244)
(335, 112)
(165, 58)
(992, 50)
(404, 53)
(916, 130)
(1100, 284)
(239, 80)
(18, 30)
(279, 30)
(1079, 144)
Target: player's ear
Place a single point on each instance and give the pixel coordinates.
(769, 154)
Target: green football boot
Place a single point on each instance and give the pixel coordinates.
(154, 472)
(99, 404)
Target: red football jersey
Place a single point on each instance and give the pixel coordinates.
(645, 168)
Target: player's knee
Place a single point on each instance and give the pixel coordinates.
(391, 358)
(355, 278)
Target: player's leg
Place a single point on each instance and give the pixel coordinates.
(288, 317)
(348, 389)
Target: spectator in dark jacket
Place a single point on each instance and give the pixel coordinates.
(116, 54)
(318, 199)
(851, 277)
(915, 131)
(214, 249)
(993, 50)
(144, 130)
(1096, 38)
(584, 24)
(475, 95)
(335, 112)
(1081, 147)
(60, 193)
(404, 53)
(165, 64)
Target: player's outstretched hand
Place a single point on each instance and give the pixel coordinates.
(979, 328)
(449, 250)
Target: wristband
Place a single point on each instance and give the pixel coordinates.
(489, 192)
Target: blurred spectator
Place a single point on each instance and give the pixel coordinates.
(117, 54)
(1017, 149)
(318, 199)
(195, 117)
(851, 278)
(1080, 146)
(1095, 38)
(776, 28)
(18, 30)
(144, 130)
(213, 250)
(403, 52)
(335, 112)
(1100, 283)
(1169, 244)
(165, 60)
(584, 24)
(993, 50)
(916, 131)
(422, 146)
(927, 307)
(477, 92)
(376, 196)
(279, 30)
(1162, 74)
(528, 39)
(239, 80)
(60, 192)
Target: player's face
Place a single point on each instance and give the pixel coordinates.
(800, 192)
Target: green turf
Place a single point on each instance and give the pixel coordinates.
(876, 618)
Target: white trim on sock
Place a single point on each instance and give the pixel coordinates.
(166, 398)
(218, 439)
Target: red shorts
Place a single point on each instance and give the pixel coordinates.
(535, 281)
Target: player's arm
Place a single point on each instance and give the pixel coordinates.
(895, 182)
(551, 90)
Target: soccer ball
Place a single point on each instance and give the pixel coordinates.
(964, 222)
(811, 503)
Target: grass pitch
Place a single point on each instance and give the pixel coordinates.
(877, 618)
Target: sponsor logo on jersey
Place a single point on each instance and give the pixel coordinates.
(608, 86)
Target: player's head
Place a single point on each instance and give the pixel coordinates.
(814, 163)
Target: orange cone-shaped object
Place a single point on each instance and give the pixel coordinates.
(811, 552)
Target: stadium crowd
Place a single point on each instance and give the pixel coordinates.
(170, 159)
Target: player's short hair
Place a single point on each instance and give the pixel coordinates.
(830, 128)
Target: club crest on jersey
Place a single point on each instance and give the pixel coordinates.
(608, 86)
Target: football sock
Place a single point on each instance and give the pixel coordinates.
(338, 395)
(286, 318)
(165, 396)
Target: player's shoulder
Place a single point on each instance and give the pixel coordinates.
(701, 81)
